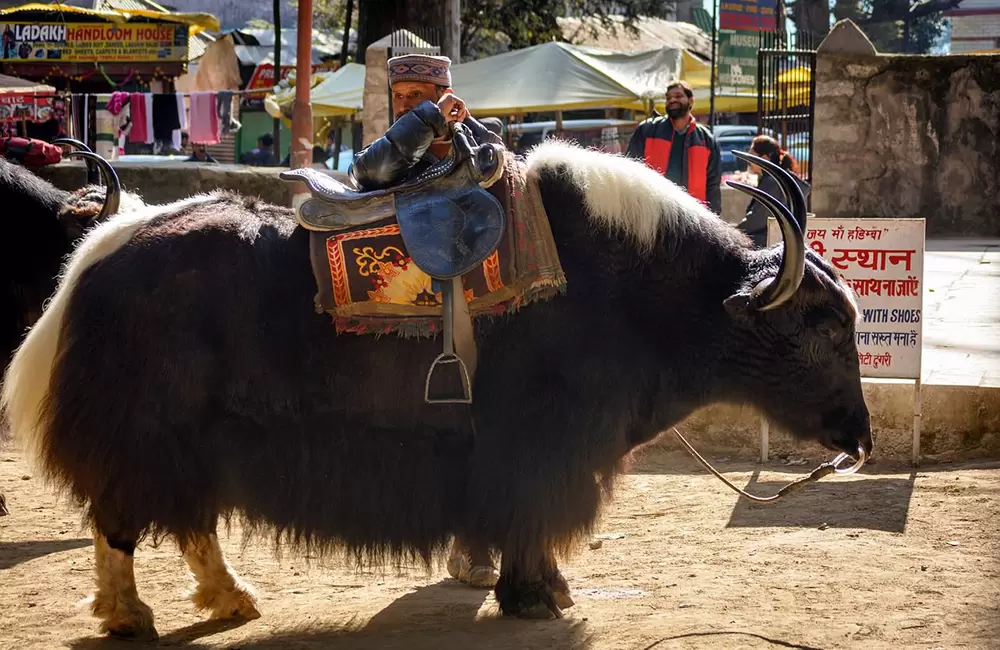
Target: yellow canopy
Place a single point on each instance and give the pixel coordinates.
(549, 77)
(197, 22)
(333, 94)
(557, 77)
(797, 75)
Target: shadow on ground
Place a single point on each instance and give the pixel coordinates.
(14, 553)
(442, 615)
(870, 503)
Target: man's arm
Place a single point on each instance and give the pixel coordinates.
(713, 189)
(481, 133)
(637, 144)
(387, 160)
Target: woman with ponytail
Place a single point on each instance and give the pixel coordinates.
(755, 221)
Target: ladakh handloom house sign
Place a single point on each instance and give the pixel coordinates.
(104, 42)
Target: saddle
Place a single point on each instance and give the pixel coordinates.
(448, 221)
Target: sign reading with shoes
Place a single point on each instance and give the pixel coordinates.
(882, 261)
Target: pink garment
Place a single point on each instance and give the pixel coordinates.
(203, 122)
(138, 105)
(117, 102)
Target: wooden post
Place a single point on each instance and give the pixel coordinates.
(302, 122)
(451, 37)
(276, 124)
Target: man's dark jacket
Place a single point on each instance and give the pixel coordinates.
(404, 151)
(654, 138)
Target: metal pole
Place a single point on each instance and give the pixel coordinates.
(276, 124)
(715, 37)
(302, 121)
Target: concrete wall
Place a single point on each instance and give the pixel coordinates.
(909, 136)
(169, 182)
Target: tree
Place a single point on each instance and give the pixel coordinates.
(523, 23)
(905, 26)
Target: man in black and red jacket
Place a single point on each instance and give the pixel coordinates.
(680, 148)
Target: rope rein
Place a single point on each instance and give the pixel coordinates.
(823, 470)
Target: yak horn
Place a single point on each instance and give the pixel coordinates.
(793, 258)
(113, 193)
(793, 193)
(73, 142)
(93, 173)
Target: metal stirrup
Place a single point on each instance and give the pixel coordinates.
(448, 356)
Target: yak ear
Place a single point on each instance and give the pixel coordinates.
(738, 306)
(741, 305)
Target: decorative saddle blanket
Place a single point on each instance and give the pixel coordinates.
(368, 282)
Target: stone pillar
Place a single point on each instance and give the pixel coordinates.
(376, 97)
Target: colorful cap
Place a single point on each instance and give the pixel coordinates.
(420, 67)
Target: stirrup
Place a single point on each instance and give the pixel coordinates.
(443, 359)
(448, 356)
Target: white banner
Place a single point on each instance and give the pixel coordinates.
(882, 260)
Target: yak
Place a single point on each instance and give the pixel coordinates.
(41, 226)
(181, 375)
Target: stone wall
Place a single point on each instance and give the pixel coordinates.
(909, 136)
(167, 182)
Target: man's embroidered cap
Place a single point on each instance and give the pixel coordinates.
(420, 67)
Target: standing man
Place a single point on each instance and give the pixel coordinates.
(680, 148)
(423, 105)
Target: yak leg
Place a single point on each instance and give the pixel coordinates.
(531, 586)
(219, 589)
(117, 602)
(471, 563)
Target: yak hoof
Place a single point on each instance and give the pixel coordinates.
(483, 577)
(127, 620)
(563, 599)
(458, 567)
(535, 601)
(239, 602)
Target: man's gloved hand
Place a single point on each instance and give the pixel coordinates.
(453, 109)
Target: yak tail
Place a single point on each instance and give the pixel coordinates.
(28, 378)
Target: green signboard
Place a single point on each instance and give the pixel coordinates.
(737, 64)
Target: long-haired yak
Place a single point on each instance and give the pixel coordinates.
(41, 223)
(181, 374)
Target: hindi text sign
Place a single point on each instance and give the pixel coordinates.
(882, 260)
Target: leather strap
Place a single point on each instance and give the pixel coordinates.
(465, 337)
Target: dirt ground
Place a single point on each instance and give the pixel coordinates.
(887, 559)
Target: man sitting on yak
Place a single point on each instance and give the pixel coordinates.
(142, 393)
(424, 107)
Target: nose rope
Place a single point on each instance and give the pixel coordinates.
(823, 470)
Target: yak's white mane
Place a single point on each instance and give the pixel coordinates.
(26, 381)
(621, 193)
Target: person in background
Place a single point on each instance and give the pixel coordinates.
(200, 154)
(263, 154)
(754, 223)
(680, 148)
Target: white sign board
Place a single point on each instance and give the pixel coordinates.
(882, 260)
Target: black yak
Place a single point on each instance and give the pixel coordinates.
(180, 374)
(41, 225)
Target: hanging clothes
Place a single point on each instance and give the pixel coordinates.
(182, 125)
(204, 118)
(147, 99)
(165, 117)
(225, 110)
(107, 129)
(139, 133)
